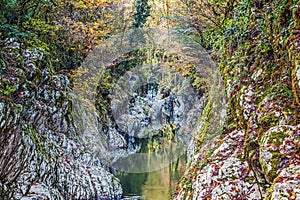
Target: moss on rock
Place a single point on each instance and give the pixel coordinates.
(259, 60)
(272, 149)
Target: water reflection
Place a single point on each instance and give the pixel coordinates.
(155, 185)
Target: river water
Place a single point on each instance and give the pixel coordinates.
(155, 185)
(153, 172)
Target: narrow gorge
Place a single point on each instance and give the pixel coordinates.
(178, 99)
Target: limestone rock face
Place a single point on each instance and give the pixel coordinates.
(224, 174)
(285, 184)
(219, 170)
(37, 162)
(42, 154)
(261, 75)
(279, 149)
(280, 161)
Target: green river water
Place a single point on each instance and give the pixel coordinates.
(155, 185)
